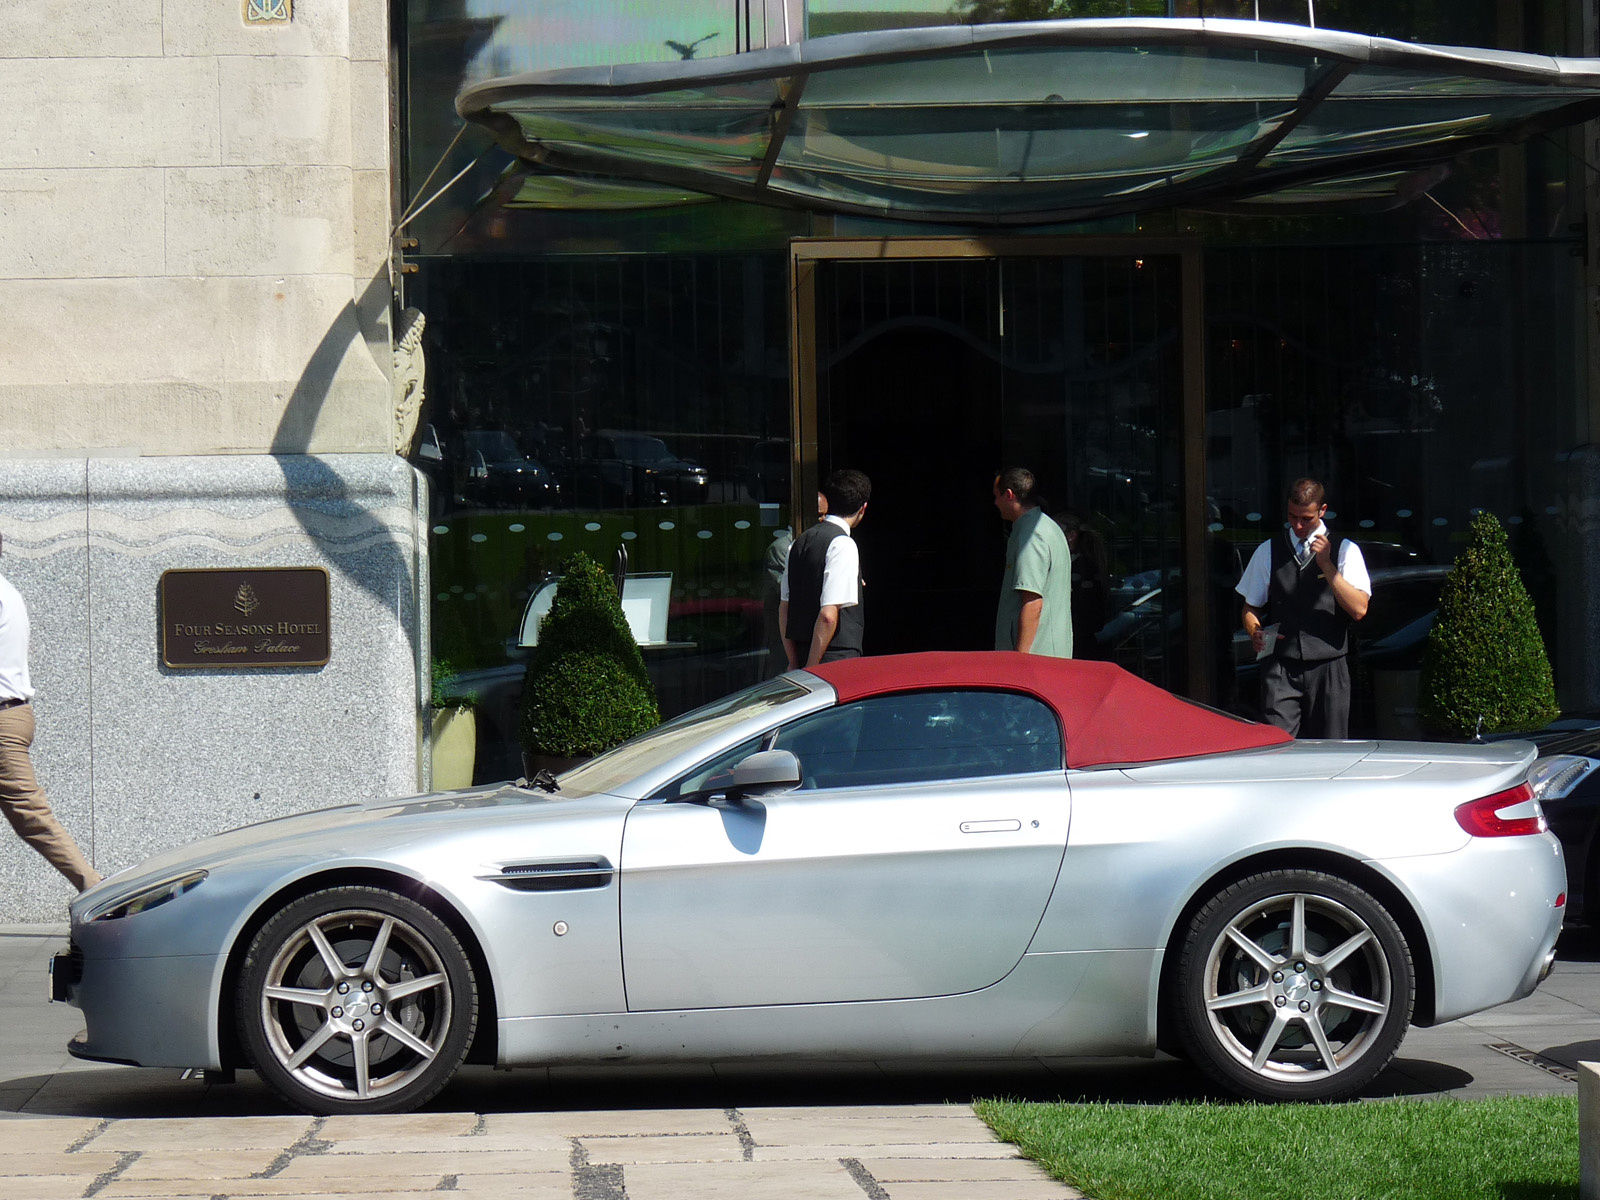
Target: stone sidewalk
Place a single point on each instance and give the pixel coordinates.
(917, 1152)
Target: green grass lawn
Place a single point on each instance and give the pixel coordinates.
(1508, 1148)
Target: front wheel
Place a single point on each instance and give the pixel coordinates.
(356, 1000)
(1293, 985)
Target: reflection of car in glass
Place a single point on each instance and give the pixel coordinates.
(864, 861)
(632, 470)
(430, 460)
(494, 473)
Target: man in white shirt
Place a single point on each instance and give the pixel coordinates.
(23, 800)
(1303, 588)
(820, 597)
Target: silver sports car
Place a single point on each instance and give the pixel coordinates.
(963, 855)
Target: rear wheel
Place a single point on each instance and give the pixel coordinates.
(1293, 985)
(356, 1000)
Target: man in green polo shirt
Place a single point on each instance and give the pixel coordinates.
(1035, 614)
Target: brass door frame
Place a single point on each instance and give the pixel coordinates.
(806, 253)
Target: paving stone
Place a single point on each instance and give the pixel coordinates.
(876, 1112)
(199, 1164)
(552, 1186)
(48, 1187)
(826, 1129)
(743, 1181)
(913, 1150)
(54, 1162)
(463, 1143)
(379, 1185)
(43, 1133)
(337, 1169)
(997, 1190)
(202, 1133)
(970, 1170)
(393, 1125)
(625, 1122)
(682, 1148)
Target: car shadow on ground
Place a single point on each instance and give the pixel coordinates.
(120, 1093)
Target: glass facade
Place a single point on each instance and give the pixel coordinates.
(632, 407)
(620, 377)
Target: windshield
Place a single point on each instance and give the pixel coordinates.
(641, 449)
(495, 445)
(665, 742)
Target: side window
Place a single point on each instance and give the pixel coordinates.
(695, 780)
(920, 737)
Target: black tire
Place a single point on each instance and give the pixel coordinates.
(1260, 1015)
(334, 1028)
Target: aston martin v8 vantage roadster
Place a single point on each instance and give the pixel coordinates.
(963, 855)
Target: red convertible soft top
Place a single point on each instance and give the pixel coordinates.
(1107, 714)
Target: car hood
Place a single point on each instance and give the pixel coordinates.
(362, 831)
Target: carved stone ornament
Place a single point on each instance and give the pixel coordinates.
(409, 378)
(268, 12)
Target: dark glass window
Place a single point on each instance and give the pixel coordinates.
(635, 409)
(916, 737)
(919, 737)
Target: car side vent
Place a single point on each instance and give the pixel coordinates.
(566, 876)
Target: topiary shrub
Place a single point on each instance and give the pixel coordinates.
(1484, 667)
(587, 689)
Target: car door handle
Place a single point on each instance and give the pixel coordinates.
(990, 826)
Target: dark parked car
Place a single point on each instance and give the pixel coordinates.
(1572, 806)
(613, 468)
(493, 472)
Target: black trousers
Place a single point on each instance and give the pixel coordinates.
(1307, 699)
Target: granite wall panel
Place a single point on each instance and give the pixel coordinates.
(139, 757)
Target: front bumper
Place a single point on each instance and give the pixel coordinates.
(144, 1012)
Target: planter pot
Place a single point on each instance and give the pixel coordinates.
(453, 745)
(532, 764)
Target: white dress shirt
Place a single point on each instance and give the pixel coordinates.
(1256, 582)
(841, 570)
(14, 681)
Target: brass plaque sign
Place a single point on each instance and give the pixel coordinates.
(249, 617)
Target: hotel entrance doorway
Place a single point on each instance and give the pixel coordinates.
(930, 364)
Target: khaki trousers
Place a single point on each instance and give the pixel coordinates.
(26, 806)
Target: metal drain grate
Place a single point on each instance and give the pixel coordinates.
(1523, 1054)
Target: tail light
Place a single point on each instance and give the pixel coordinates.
(1511, 813)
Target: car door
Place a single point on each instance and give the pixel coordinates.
(915, 859)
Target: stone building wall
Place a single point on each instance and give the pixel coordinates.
(195, 371)
(193, 227)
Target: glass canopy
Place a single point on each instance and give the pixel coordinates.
(1039, 121)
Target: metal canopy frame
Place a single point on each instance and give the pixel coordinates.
(1552, 92)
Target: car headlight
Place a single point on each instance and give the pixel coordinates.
(153, 896)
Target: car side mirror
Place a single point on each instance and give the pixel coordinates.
(764, 773)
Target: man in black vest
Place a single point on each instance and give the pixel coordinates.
(1303, 588)
(820, 600)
